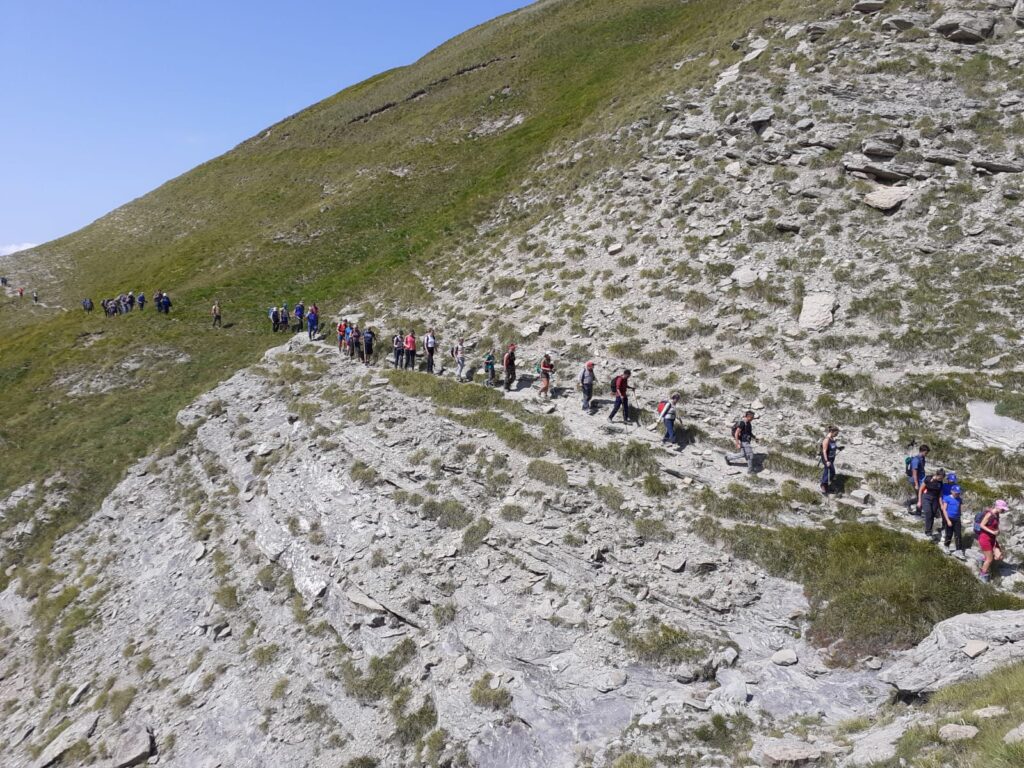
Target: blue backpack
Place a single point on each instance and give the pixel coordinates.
(977, 521)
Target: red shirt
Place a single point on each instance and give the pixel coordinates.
(622, 386)
(410, 343)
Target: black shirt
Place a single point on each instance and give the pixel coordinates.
(933, 487)
(746, 430)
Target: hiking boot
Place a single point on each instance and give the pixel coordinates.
(985, 577)
(960, 555)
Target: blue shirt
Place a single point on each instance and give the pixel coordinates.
(952, 507)
(917, 462)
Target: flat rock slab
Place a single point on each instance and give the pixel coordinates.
(74, 733)
(788, 752)
(951, 733)
(134, 748)
(817, 311)
(992, 429)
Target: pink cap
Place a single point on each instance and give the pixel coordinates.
(1001, 505)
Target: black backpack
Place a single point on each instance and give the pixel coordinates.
(615, 385)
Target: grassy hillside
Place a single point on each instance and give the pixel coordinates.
(350, 195)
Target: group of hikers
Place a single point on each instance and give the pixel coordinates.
(937, 498)
(21, 291)
(280, 319)
(124, 303)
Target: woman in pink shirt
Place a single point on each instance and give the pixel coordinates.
(410, 351)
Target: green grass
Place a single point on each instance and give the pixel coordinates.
(660, 643)
(486, 697)
(871, 589)
(956, 703)
(380, 679)
(548, 473)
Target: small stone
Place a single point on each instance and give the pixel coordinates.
(816, 314)
(610, 680)
(868, 6)
(676, 564)
(571, 614)
(974, 648)
(888, 198)
(861, 495)
(1016, 736)
(953, 732)
(134, 748)
(77, 695)
(785, 658)
(462, 663)
(615, 249)
(990, 713)
(198, 551)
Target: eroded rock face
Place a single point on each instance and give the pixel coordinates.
(940, 659)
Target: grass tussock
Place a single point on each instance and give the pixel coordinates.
(660, 643)
(871, 589)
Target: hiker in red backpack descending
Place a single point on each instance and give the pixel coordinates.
(620, 388)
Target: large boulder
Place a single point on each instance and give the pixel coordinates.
(887, 198)
(817, 311)
(965, 27)
(134, 747)
(939, 660)
(78, 731)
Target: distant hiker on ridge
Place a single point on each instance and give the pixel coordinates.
(743, 435)
(508, 364)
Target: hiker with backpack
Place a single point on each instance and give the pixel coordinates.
(489, 362)
(620, 388)
(915, 467)
(587, 380)
(215, 312)
(929, 494)
(950, 504)
(398, 349)
(827, 456)
(508, 365)
(459, 356)
(141, 301)
(429, 347)
(300, 314)
(743, 435)
(546, 369)
(986, 531)
(368, 339)
(341, 334)
(667, 415)
(313, 324)
(410, 351)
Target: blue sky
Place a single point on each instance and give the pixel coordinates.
(101, 101)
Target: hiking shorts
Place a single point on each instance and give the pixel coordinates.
(986, 541)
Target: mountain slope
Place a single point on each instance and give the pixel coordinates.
(814, 215)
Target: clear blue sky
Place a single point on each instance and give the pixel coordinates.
(103, 100)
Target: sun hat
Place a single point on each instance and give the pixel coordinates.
(1001, 505)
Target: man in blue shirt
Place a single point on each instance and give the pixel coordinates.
(951, 516)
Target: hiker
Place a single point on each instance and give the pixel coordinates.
(547, 368)
(165, 302)
(587, 380)
(928, 495)
(667, 414)
(954, 528)
(410, 351)
(300, 313)
(429, 346)
(275, 318)
(141, 301)
(620, 388)
(215, 311)
(459, 356)
(508, 365)
(743, 436)
(987, 532)
(398, 348)
(313, 323)
(341, 334)
(915, 475)
(87, 305)
(21, 293)
(131, 300)
(827, 456)
(368, 337)
(35, 297)
(489, 361)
